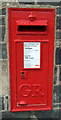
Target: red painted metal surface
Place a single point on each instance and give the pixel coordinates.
(31, 87)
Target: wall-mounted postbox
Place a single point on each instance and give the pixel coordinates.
(31, 50)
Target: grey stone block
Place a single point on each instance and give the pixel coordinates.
(8, 1)
(22, 115)
(58, 35)
(49, 2)
(60, 114)
(2, 33)
(3, 11)
(0, 103)
(56, 94)
(55, 75)
(58, 56)
(58, 10)
(3, 51)
(26, 1)
(58, 22)
(0, 51)
(2, 20)
(0, 115)
(59, 93)
(5, 79)
(60, 74)
(47, 114)
(0, 11)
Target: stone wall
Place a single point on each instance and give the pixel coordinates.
(4, 61)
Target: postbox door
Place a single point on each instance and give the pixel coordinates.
(32, 76)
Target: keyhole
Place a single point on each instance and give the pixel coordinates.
(22, 74)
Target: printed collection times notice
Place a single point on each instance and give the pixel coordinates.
(31, 54)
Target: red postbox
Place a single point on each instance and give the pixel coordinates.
(31, 50)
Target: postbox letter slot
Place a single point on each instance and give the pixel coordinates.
(30, 28)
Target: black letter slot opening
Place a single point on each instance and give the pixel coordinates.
(31, 29)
